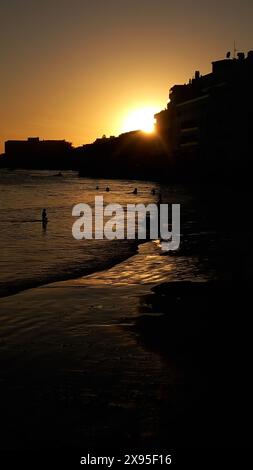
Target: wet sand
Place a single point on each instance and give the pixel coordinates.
(112, 361)
(72, 371)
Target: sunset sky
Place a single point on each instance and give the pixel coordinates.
(76, 69)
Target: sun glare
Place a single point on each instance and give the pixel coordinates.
(140, 119)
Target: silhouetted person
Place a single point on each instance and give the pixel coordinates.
(97, 188)
(159, 202)
(107, 189)
(153, 191)
(135, 191)
(44, 218)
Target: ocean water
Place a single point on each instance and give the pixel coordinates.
(210, 246)
(32, 256)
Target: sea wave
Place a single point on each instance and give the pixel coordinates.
(117, 251)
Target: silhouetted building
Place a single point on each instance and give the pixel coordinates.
(207, 125)
(36, 153)
(130, 155)
(206, 128)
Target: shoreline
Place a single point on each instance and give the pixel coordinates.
(116, 357)
(99, 266)
(70, 367)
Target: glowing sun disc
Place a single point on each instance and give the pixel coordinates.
(140, 119)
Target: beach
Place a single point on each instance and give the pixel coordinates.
(101, 362)
(117, 344)
(73, 370)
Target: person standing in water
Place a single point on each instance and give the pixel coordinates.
(44, 218)
(159, 202)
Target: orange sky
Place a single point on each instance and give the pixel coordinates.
(75, 69)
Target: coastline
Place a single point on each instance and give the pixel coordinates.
(9, 289)
(70, 367)
(121, 358)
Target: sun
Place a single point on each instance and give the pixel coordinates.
(140, 119)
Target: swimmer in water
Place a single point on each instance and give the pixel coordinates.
(44, 218)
